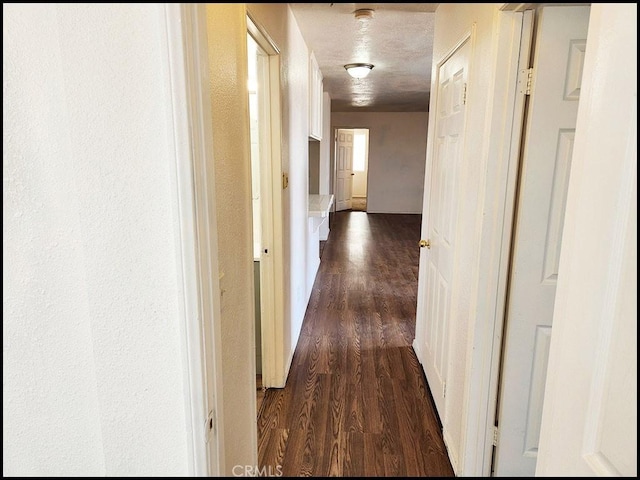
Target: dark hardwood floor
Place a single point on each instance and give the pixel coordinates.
(356, 402)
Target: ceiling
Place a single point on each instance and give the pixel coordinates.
(397, 40)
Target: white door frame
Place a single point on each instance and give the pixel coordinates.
(274, 363)
(507, 104)
(196, 232)
(523, 367)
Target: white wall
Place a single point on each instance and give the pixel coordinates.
(397, 152)
(92, 364)
(228, 62)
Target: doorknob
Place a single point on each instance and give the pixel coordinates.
(425, 243)
(353, 174)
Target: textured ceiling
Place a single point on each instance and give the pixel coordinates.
(397, 40)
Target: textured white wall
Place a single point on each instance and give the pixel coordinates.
(227, 37)
(397, 156)
(297, 58)
(92, 369)
(279, 22)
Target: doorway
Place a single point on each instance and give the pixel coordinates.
(263, 88)
(352, 167)
(360, 168)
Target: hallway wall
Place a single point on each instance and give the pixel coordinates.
(92, 364)
(92, 299)
(228, 63)
(397, 157)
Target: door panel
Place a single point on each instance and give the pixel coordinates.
(439, 225)
(544, 176)
(344, 166)
(590, 419)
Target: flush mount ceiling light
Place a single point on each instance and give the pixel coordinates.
(358, 70)
(363, 14)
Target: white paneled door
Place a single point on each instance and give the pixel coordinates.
(559, 49)
(438, 226)
(344, 168)
(590, 417)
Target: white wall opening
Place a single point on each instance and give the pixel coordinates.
(351, 165)
(360, 168)
(264, 102)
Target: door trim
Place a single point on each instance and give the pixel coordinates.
(515, 31)
(274, 365)
(196, 238)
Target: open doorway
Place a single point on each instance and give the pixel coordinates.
(256, 58)
(360, 168)
(259, 121)
(352, 165)
(266, 168)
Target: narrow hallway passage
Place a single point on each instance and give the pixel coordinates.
(356, 402)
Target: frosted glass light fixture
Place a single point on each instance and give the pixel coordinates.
(358, 70)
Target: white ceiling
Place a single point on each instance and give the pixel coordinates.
(398, 41)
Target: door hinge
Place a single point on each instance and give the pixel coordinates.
(525, 81)
(444, 389)
(464, 94)
(210, 426)
(495, 436)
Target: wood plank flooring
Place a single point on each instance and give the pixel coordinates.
(356, 402)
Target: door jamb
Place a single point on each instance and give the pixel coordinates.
(274, 365)
(197, 256)
(495, 247)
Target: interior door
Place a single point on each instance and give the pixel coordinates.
(438, 227)
(558, 55)
(344, 168)
(590, 418)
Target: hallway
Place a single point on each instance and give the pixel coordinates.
(356, 402)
